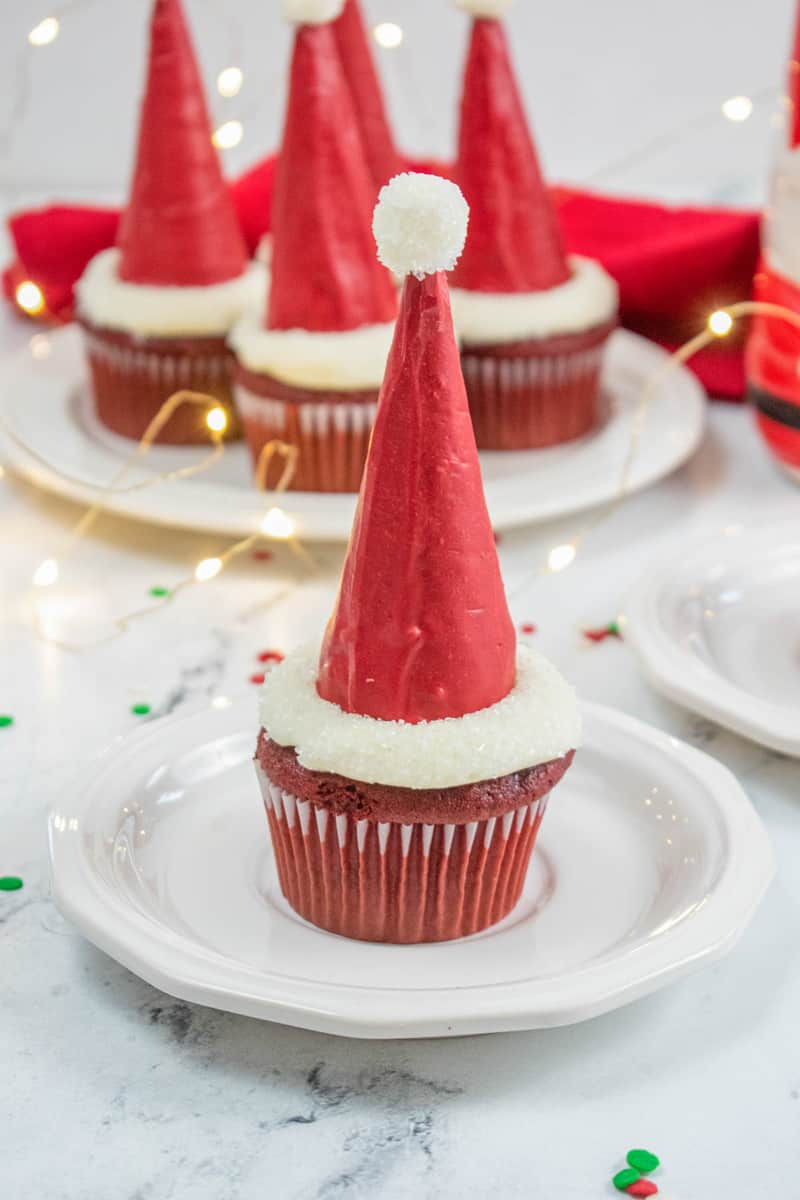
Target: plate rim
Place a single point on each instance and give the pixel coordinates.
(681, 676)
(172, 962)
(319, 525)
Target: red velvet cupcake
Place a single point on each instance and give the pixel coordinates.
(532, 322)
(310, 366)
(405, 767)
(157, 309)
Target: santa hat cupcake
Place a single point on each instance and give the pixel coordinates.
(773, 345)
(310, 365)
(405, 766)
(157, 308)
(532, 321)
(360, 72)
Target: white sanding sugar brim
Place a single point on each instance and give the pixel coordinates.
(536, 722)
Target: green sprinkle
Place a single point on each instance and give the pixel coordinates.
(159, 591)
(624, 1179)
(614, 630)
(10, 883)
(140, 710)
(5, 721)
(642, 1160)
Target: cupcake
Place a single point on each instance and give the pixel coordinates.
(157, 308)
(405, 764)
(309, 365)
(773, 345)
(532, 321)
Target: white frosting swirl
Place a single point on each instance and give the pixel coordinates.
(783, 217)
(590, 297)
(536, 722)
(349, 361)
(148, 310)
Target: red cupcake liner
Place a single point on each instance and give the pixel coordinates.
(381, 881)
(332, 438)
(132, 377)
(524, 400)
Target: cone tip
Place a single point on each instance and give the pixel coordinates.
(484, 8)
(312, 12)
(420, 224)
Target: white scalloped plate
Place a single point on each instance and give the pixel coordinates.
(651, 861)
(717, 628)
(44, 399)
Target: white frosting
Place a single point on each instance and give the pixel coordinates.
(420, 224)
(148, 310)
(783, 217)
(536, 722)
(485, 8)
(590, 297)
(312, 12)
(348, 361)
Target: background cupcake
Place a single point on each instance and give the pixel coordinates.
(309, 368)
(156, 310)
(532, 322)
(405, 767)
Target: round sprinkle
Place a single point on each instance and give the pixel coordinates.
(527, 627)
(270, 656)
(140, 710)
(159, 591)
(6, 720)
(262, 555)
(10, 883)
(642, 1187)
(623, 1179)
(642, 1160)
(258, 677)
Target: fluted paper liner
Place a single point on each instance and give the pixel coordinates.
(381, 881)
(333, 438)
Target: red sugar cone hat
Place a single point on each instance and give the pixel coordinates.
(793, 87)
(180, 227)
(382, 157)
(421, 628)
(324, 272)
(515, 243)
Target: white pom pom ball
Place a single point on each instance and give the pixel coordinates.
(420, 224)
(312, 12)
(485, 8)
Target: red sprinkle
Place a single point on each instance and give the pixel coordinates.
(262, 555)
(527, 627)
(600, 635)
(259, 677)
(267, 656)
(642, 1187)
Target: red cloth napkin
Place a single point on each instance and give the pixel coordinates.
(673, 265)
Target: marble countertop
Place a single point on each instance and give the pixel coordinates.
(112, 1089)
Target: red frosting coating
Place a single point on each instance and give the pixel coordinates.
(793, 87)
(421, 628)
(180, 227)
(514, 242)
(383, 160)
(324, 272)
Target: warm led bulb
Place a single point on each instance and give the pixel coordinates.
(217, 420)
(29, 297)
(46, 574)
(388, 35)
(277, 524)
(207, 569)
(720, 322)
(738, 108)
(229, 82)
(228, 135)
(561, 557)
(44, 33)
